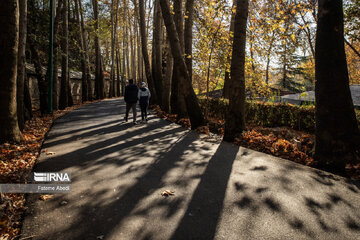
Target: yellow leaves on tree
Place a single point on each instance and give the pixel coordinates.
(353, 61)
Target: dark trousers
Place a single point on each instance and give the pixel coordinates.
(128, 106)
(143, 108)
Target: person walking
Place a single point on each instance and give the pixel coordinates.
(144, 97)
(131, 98)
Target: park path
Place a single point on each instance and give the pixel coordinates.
(222, 191)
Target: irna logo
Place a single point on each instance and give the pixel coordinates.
(51, 177)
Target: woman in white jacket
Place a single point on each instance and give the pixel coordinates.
(144, 97)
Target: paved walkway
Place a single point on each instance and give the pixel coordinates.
(221, 191)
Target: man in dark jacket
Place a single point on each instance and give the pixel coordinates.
(131, 98)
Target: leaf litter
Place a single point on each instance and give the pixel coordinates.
(16, 162)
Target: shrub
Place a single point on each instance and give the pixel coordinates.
(268, 114)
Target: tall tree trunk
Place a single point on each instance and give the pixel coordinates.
(284, 69)
(116, 91)
(70, 94)
(235, 117)
(90, 92)
(34, 49)
(127, 42)
(145, 52)
(188, 35)
(192, 104)
(268, 59)
(226, 89)
(337, 132)
(210, 58)
(21, 73)
(133, 58)
(267, 71)
(9, 40)
(123, 50)
(131, 53)
(308, 35)
(167, 80)
(251, 39)
(178, 104)
(139, 57)
(55, 58)
(113, 32)
(64, 89)
(157, 52)
(118, 80)
(27, 100)
(84, 82)
(99, 75)
(43, 85)
(128, 75)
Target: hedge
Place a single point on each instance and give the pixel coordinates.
(268, 114)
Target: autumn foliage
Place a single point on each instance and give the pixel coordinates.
(282, 130)
(16, 163)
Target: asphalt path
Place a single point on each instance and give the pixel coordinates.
(222, 191)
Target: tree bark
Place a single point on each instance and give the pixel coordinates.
(132, 50)
(9, 40)
(64, 88)
(128, 76)
(55, 58)
(210, 58)
(235, 117)
(308, 35)
(188, 34)
(116, 91)
(113, 32)
(21, 73)
(268, 59)
(84, 82)
(43, 85)
(70, 95)
(139, 57)
(124, 52)
(99, 75)
(192, 104)
(228, 59)
(127, 42)
(178, 104)
(167, 80)
(90, 92)
(27, 100)
(157, 52)
(118, 64)
(337, 132)
(145, 52)
(133, 54)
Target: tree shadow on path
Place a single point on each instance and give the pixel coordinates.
(202, 215)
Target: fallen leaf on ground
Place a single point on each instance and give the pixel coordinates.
(29, 237)
(46, 197)
(203, 129)
(167, 193)
(17, 161)
(3, 223)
